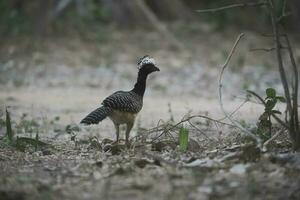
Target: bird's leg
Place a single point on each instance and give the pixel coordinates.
(128, 129)
(117, 126)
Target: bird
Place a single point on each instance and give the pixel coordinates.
(122, 107)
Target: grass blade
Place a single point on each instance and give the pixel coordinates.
(9, 131)
(183, 139)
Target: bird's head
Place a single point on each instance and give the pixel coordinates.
(147, 65)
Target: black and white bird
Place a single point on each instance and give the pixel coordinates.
(122, 107)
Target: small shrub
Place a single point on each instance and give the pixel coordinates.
(264, 125)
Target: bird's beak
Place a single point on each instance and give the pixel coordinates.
(157, 69)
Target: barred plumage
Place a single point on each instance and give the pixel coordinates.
(121, 107)
(124, 101)
(97, 115)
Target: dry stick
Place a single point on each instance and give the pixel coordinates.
(263, 49)
(246, 98)
(271, 139)
(281, 68)
(244, 130)
(273, 115)
(200, 131)
(212, 10)
(237, 109)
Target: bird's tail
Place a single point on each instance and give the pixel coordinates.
(96, 116)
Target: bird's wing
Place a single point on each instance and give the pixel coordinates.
(124, 101)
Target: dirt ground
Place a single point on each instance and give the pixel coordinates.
(50, 88)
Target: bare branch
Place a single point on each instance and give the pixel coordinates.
(296, 85)
(240, 5)
(263, 49)
(280, 65)
(234, 111)
(266, 49)
(244, 130)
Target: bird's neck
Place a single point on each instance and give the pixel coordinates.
(140, 85)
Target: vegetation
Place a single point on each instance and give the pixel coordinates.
(48, 17)
(20, 143)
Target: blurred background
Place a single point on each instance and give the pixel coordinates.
(62, 57)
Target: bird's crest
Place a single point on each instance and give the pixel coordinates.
(145, 60)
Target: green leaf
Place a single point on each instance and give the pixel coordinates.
(9, 131)
(281, 99)
(270, 104)
(271, 93)
(183, 139)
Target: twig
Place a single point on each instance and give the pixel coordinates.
(165, 130)
(244, 130)
(212, 10)
(270, 35)
(200, 131)
(239, 107)
(263, 49)
(246, 98)
(266, 143)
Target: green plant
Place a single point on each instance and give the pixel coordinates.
(277, 11)
(183, 139)
(264, 126)
(9, 131)
(19, 143)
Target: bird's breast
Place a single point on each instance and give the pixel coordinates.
(121, 117)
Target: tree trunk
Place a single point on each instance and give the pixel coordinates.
(296, 14)
(42, 23)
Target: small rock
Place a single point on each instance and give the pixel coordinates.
(239, 169)
(97, 175)
(141, 163)
(203, 163)
(205, 189)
